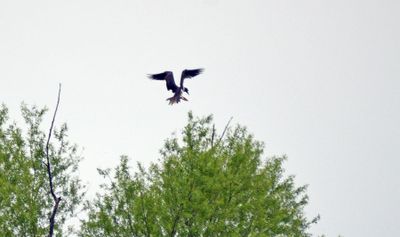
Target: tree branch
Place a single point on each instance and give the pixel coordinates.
(212, 136)
(226, 127)
(176, 220)
(48, 165)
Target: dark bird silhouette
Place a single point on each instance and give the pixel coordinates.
(168, 76)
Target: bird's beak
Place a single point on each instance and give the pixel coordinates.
(187, 92)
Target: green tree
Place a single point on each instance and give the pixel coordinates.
(204, 185)
(25, 200)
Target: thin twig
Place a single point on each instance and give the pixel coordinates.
(48, 165)
(226, 127)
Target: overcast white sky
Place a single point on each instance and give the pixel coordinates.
(316, 80)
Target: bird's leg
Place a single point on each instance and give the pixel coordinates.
(177, 98)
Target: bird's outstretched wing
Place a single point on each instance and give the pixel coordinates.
(189, 73)
(168, 77)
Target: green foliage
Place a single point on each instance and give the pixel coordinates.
(25, 201)
(204, 185)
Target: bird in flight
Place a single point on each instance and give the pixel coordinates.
(168, 76)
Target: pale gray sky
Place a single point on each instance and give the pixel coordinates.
(316, 80)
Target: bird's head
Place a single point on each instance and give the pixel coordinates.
(186, 90)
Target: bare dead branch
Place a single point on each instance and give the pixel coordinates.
(226, 127)
(48, 165)
(53, 216)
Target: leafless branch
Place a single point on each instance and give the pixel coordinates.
(48, 165)
(226, 127)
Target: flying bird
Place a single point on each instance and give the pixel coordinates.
(168, 76)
